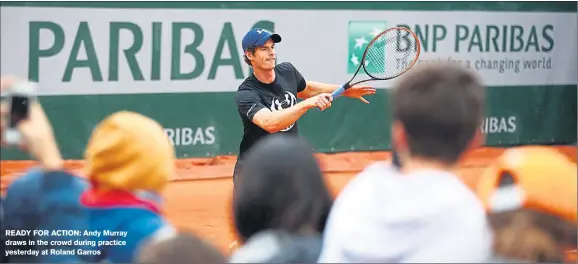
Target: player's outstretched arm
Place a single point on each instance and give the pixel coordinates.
(275, 121)
(315, 88)
(308, 89)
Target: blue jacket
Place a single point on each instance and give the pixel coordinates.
(62, 201)
(121, 211)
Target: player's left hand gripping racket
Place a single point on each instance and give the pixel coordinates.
(389, 55)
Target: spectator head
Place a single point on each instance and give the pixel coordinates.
(42, 200)
(129, 151)
(437, 113)
(182, 247)
(281, 188)
(530, 193)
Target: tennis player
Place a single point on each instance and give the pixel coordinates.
(422, 212)
(267, 99)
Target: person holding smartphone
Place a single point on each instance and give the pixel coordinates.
(24, 124)
(34, 129)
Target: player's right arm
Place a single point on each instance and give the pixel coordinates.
(250, 105)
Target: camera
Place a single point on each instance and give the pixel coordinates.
(18, 99)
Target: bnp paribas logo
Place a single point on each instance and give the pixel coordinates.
(360, 34)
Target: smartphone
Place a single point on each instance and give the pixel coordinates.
(19, 109)
(18, 98)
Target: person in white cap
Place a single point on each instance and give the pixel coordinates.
(422, 212)
(530, 194)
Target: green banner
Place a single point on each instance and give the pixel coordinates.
(207, 124)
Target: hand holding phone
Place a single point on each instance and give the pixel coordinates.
(26, 124)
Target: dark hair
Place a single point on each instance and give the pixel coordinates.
(252, 51)
(441, 107)
(184, 247)
(530, 235)
(281, 187)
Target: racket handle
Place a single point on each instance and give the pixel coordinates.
(336, 93)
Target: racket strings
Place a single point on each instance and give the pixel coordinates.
(391, 54)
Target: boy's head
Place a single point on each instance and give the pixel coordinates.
(437, 113)
(182, 247)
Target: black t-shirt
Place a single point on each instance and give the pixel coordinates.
(254, 95)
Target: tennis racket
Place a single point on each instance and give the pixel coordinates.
(389, 55)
